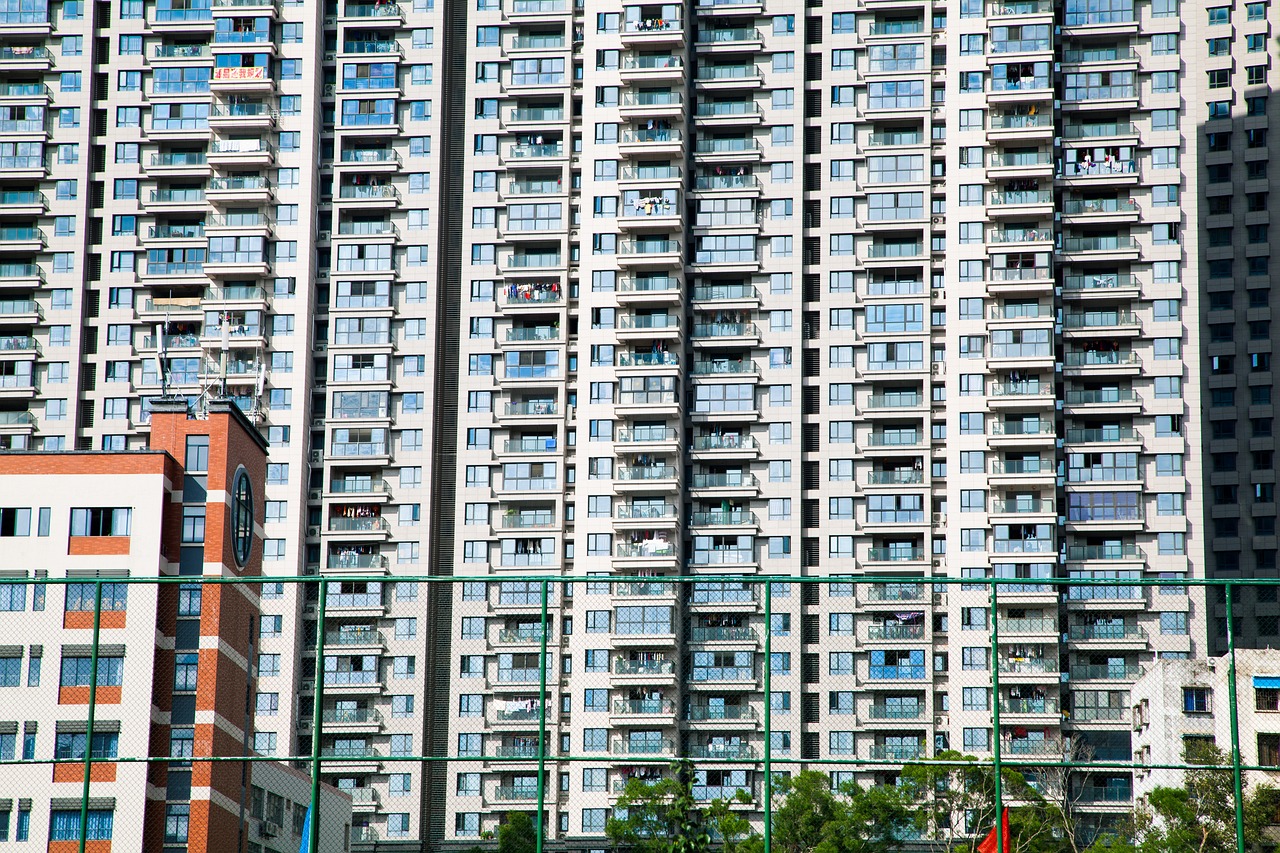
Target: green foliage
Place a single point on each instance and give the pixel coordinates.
(663, 817)
(1200, 816)
(815, 819)
(518, 834)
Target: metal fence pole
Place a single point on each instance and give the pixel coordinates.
(995, 717)
(317, 716)
(1235, 720)
(540, 821)
(768, 716)
(93, 705)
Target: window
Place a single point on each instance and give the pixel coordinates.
(1195, 700)
(65, 825)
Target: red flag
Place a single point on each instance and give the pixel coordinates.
(989, 844)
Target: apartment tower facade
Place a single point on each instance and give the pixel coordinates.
(527, 288)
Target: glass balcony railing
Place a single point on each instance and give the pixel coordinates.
(1100, 281)
(1017, 506)
(1100, 358)
(725, 330)
(368, 191)
(1076, 206)
(894, 555)
(1099, 129)
(1015, 197)
(372, 10)
(371, 46)
(537, 42)
(24, 53)
(518, 409)
(723, 518)
(1098, 435)
(899, 477)
(703, 443)
(183, 196)
(644, 667)
(741, 181)
(1106, 631)
(181, 51)
(1104, 167)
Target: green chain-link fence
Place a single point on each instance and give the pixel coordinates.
(1103, 709)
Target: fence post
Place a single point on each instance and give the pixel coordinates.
(93, 705)
(768, 716)
(995, 717)
(317, 716)
(1235, 720)
(542, 727)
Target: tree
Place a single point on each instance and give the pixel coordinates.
(853, 819)
(957, 789)
(518, 834)
(664, 817)
(1200, 816)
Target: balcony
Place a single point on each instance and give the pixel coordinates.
(721, 713)
(359, 525)
(1020, 235)
(722, 751)
(1021, 506)
(653, 252)
(728, 369)
(1107, 209)
(1112, 321)
(25, 57)
(896, 752)
(1106, 632)
(355, 637)
(644, 668)
(663, 746)
(895, 555)
(893, 593)
(1115, 552)
(515, 793)
(653, 31)
(722, 635)
(1106, 672)
(524, 152)
(897, 477)
(351, 561)
(1102, 397)
(656, 142)
(724, 518)
(362, 11)
(1101, 285)
(248, 115)
(1101, 435)
(1029, 666)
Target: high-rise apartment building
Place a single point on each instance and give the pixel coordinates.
(522, 288)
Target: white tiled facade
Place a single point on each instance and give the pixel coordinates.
(888, 288)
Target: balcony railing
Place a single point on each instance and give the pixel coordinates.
(644, 667)
(1106, 631)
(708, 713)
(1106, 672)
(1100, 281)
(723, 518)
(895, 712)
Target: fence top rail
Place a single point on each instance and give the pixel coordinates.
(554, 580)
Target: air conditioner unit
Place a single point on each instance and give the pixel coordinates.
(329, 88)
(323, 235)
(268, 829)
(321, 346)
(940, 720)
(313, 495)
(937, 368)
(937, 562)
(317, 456)
(313, 531)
